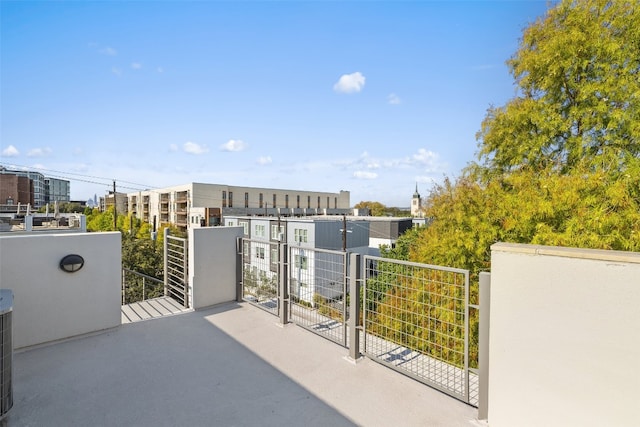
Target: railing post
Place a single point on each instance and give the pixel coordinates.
(185, 271)
(355, 273)
(144, 288)
(483, 346)
(123, 287)
(239, 278)
(283, 298)
(165, 243)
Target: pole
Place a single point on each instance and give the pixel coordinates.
(115, 213)
(344, 233)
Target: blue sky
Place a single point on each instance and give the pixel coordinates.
(369, 97)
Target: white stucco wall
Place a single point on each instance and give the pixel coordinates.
(50, 304)
(564, 337)
(212, 265)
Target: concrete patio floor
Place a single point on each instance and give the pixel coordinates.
(230, 365)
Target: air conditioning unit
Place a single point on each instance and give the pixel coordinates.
(6, 352)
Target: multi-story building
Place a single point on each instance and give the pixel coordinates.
(198, 204)
(57, 190)
(119, 199)
(15, 189)
(44, 189)
(313, 242)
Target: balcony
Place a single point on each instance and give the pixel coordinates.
(233, 363)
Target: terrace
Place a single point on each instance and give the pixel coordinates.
(227, 360)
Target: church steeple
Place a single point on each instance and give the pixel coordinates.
(416, 203)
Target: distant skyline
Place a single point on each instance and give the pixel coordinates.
(369, 97)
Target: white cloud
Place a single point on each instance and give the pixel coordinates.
(350, 83)
(39, 152)
(117, 71)
(136, 65)
(394, 99)
(234, 145)
(193, 148)
(10, 151)
(173, 147)
(108, 51)
(425, 158)
(365, 175)
(265, 160)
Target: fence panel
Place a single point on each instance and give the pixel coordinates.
(260, 269)
(317, 289)
(176, 269)
(415, 320)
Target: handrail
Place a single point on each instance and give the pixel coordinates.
(145, 278)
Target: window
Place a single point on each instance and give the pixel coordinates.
(277, 232)
(246, 200)
(308, 202)
(286, 201)
(335, 203)
(259, 230)
(274, 201)
(244, 225)
(300, 235)
(261, 200)
(298, 201)
(318, 202)
(328, 203)
(230, 199)
(301, 262)
(274, 255)
(246, 249)
(260, 253)
(231, 223)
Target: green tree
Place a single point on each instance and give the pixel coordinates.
(375, 208)
(578, 77)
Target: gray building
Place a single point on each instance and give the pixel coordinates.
(57, 190)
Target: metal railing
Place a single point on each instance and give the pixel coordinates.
(318, 292)
(261, 267)
(140, 287)
(176, 273)
(416, 320)
(411, 317)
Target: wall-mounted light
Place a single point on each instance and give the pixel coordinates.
(71, 263)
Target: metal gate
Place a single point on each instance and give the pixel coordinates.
(416, 320)
(260, 274)
(318, 291)
(176, 274)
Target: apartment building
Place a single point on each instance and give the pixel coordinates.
(43, 189)
(199, 204)
(314, 244)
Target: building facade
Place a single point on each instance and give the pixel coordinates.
(198, 204)
(314, 244)
(16, 189)
(45, 190)
(57, 190)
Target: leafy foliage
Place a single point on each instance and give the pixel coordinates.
(578, 75)
(558, 165)
(378, 209)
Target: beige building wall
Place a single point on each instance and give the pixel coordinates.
(564, 337)
(166, 203)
